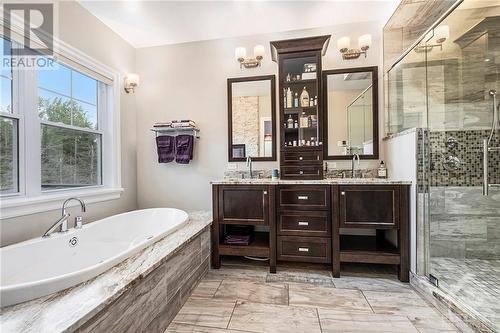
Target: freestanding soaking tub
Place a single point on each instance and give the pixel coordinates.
(39, 267)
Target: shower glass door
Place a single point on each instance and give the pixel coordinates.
(463, 225)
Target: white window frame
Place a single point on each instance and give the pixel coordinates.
(31, 199)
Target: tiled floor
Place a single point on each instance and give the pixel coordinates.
(305, 299)
(475, 282)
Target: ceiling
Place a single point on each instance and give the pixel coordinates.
(153, 23)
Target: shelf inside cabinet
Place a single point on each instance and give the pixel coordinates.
(366, 249)
(298, 110)
(259, 247)
(308, 81)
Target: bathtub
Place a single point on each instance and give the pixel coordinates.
(42, 266)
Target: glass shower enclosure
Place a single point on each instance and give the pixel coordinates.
(448, 86)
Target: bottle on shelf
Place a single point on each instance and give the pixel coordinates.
(303, 120)
(315, 100)
(304, 98)
(288, 77)
(296, 101)
(309, 122)
(382, 170)
(284, 97)
(289, 98)
(290, 122)
(295, 124)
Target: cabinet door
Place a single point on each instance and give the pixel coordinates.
(369, 206)
(241, 204)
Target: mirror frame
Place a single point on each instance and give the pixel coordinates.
(230, 81)
(374, 71)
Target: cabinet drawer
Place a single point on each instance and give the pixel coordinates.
(304, 157)
(304, 249)
(304, 223)
(302, 172)
(304, 197)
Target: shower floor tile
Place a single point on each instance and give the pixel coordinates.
(474, 282)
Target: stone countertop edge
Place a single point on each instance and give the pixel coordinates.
(67, 310)
(329, 181)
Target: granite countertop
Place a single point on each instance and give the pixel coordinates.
(66, 310)
(327, 181)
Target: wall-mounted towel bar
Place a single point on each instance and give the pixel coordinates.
(177, 130)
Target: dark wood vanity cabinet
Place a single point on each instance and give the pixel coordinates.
(306, 223)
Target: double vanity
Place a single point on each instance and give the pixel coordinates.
(327, 221)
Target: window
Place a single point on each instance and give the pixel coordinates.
(59, 132)
(8, 127)
(70, 136)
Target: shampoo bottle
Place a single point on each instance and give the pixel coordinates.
(304, 98)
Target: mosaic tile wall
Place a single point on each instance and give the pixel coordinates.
(469, 151)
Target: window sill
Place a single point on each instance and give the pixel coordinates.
(19, 206)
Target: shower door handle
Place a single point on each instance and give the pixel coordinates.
(485, 167)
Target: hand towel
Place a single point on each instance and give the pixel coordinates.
(184, 148)
(165, 145)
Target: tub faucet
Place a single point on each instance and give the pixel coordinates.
(249, 165)
(62, 223)
(355, 166)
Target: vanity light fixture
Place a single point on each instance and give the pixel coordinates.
(343, 45)
(131, 82)
(441, 34)
(241, 56)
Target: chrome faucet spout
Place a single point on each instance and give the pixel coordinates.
(62, 222)
(249, 166)
(354, 165)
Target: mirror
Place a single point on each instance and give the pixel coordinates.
(252, 118)
(351, 113)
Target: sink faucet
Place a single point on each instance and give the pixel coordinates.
(355, 166)
(249, 165)
(62, 223)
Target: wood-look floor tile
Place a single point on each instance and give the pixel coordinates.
(271, 318)
(271, 293)
(205, 312)
(206, 288)
(238, 273)
(407, 303)
(184, 328)
(333, 321)
(433, 324)
(370, 283)
(326, 297)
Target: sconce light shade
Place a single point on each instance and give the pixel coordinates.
(442, 33)
(365, 41)
(343, 44)
(131, 81)
(240, 53)
(259, 51)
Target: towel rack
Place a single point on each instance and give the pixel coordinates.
(195, 132)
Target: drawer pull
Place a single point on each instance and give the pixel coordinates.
(301, 172)
(303, 197)
(303, 223)
(303, 249)
(301, 158)
(342, 193)
(265, 192)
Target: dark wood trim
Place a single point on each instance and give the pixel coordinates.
(272, 228)
(335, 233)
(214, 228)
(316, 43)
(230, 81)
(404, 234)
(375, 101)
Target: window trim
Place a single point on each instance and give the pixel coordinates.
(29, 200)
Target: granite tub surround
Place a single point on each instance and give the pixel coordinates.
(143, 293)
(307, 306)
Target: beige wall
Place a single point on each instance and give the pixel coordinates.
(86, 33)
(189, 81)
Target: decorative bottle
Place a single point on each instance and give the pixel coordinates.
(289, 98)
(382, 170)
(290, 122)
(296, 101)
(304, 98)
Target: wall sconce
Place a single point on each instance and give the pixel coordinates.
(258, 53)
(343, 45)
(441, 33)
(131, 82)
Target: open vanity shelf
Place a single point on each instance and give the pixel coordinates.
(259, 247)
(368, 249)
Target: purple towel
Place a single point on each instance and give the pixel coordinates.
(165, 145)
(184, 148)
(237, 240)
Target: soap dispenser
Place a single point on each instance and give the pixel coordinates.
(382, 170)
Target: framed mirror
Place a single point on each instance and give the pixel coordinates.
(251, 107)
(350, 97)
